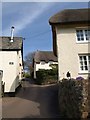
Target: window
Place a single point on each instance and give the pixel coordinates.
(42, 62)
(11, 63)
(83, 35)
(50, 62)
(84, 63)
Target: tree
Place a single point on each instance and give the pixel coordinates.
(28, 62)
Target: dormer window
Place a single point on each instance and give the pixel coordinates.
(50, 62)
(83, 35)
(42, 62)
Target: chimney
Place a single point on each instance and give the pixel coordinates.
(12, 30)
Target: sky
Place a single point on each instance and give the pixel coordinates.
(31, 21)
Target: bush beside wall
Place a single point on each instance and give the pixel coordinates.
(47, 76)
(26, 75)
(73, 98)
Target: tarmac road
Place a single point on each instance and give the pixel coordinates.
(32, 101)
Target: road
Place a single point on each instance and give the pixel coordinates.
(32, 101)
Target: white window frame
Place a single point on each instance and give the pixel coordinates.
(50, 62)
(87, 59)
(82, 41)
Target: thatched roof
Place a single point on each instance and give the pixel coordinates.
(5, 43)
(70, 16)
(44, 56)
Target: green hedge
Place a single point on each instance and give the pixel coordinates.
(26, 75)
(47, 76)
(70, 98)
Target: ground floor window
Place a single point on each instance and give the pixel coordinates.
(84, 63)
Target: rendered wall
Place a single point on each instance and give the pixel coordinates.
(11, 72)
(68, 51)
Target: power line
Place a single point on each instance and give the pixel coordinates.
(40, 34)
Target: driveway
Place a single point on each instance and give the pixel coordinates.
(32, 101)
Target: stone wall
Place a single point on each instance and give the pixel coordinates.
(74, 98)
(89, 98)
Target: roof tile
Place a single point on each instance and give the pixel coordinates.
(5, 43)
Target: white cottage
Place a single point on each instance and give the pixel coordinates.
(71, 41)
(43, 60)
(11, 62)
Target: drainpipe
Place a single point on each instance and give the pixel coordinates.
(1, 75)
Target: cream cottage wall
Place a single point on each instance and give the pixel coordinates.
(11, 62)
(11, 72)
(68, 52)
(71, 42)
(45, 66)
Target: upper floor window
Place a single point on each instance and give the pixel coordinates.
(83, 35)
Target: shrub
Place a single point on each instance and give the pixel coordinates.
(47, 76)
(26, 75)
(71, 98)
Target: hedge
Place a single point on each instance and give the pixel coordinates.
(73, 98)
(47, 76)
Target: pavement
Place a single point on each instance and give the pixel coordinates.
(32, 101)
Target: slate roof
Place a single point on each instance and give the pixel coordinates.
(44, 56)
(71, 15)
(5, 43)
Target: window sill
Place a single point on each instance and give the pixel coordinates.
(84, 72)
(82, 42)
